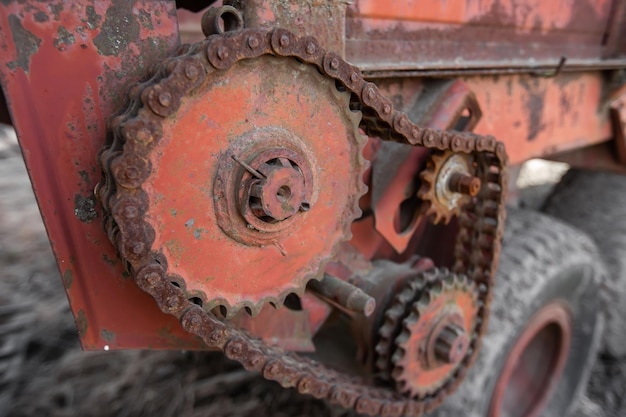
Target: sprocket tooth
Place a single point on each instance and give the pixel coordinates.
(422, 302)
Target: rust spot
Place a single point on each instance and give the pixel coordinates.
(56, 9)
(534, 106)
(108, 260)
(85, 208)
(107, 335)
(145, 20)
(176, 248)
(84, 175)
(93, 18)
(41, 17)
(118, 28)
(68, 277)
(64, 38)
(199, 232)
(26, 44)
(81, 323)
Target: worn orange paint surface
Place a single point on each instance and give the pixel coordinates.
(525, 15)
(537, 116)
(268, 94)
(62, 83)
(437, 35)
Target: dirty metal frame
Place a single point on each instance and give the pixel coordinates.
(67, 66)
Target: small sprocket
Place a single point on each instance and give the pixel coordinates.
(436, 336)
(397, 311)
(448, 183)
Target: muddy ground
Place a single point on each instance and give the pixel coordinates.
(43, 372)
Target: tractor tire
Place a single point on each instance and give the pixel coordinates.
(595, 202)
(544, 329)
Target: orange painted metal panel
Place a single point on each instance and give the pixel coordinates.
(65, 68)
(536, 116)
(433, 34)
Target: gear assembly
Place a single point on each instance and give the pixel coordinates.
(317, 193)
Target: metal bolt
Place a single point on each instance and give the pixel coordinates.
(172, 301)
(191, 72)
(386, 109)
(131, 173)
(143, 135)
(371, 93)
(464, 184)
(334, 63)
(272, 369)
(451, 344)
(235, 348)
(304, 385)
(344, 294)
(153, 278)
(278, 196)
(222, 52)
(284, 41)
(310, 48)
(415, 133)
(216, 337)
(137, 247)
(253, 42)
(165, 99)
(130, 212)
(354, 77)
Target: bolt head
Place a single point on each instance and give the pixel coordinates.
(144, 135)
(131, 173)
(130, 212)
(173, 301)
(222, 52)
(153, 278)
(284, 41)
(165, 99)
(191, 72)
(137, 248)
(253, 42)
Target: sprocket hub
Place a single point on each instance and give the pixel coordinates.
(247, 171)
(448, 183)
